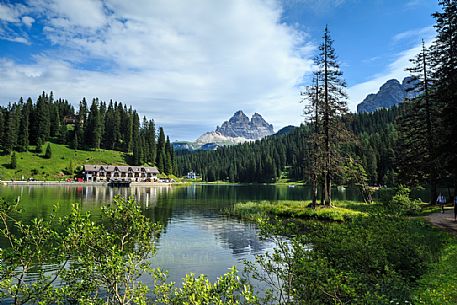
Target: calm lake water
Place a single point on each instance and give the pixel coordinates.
(197, 236)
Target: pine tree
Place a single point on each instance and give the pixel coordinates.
(313, 95)
(161, 156)
(23, 134)
(48, 152)
(62, 134)
(136, 142)
(417, 161)
(168, 157)
(444, 50)
(92, 129)
(333, 106)
(109, 134)
(39, 146)
(151, 138)
(42, 117)
(10, 132)
(13, 163)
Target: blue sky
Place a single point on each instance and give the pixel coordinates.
(191, 64)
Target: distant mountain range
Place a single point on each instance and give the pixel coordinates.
(390, 94)
(238, 129)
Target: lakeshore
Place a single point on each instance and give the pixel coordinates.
(76, 183)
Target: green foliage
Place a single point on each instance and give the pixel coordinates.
(290, 209)
(228, 289)
(375, 259)
(290, 153)
(70, 169)
(110, 127)
(39, 146)
(401, 202)
(355, 174)
(439, 285)
(13, 161)
(48, 152)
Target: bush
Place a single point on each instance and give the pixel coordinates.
(401, 202)
(48, 153)
(39, 146)
(371, 260)
(13, 162)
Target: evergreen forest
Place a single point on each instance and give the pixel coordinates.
(110, 126)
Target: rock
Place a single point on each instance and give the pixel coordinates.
(217, 137)
(238, 129)
(390, 94)
(239, 126)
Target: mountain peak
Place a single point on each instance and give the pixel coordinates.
(390, 94)
(239, 125)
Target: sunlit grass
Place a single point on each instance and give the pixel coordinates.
(31, 164)
(295, 209)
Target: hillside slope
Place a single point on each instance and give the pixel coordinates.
(31, 164)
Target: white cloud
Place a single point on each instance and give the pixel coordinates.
(415, 34)
(180, 62)
(27, 20)
(8, 13)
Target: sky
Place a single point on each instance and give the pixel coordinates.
(190, 65)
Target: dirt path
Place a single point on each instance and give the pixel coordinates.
(444, 221)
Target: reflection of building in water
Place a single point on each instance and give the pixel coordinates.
(191, 191)
(147, 196)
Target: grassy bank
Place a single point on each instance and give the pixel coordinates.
(341, 211)
(31, 164)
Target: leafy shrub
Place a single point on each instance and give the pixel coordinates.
(370, 260)
(401, 202)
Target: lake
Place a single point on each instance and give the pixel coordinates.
(197, 237)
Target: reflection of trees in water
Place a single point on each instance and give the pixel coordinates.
(200, 203)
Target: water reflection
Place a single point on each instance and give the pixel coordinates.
(197, 236)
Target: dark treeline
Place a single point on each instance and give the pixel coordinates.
(267, 159)
(103, 125)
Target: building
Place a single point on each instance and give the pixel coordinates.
(70, 119)
(107, 173)
(191, 175)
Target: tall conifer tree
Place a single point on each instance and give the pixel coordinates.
(333, 106)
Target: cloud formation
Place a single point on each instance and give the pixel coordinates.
(181, 62)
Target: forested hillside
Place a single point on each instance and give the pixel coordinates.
(111, 126)
(266, 160)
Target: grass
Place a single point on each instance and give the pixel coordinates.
(341, 210)
(297, 209)
(439, 285)
(31, 164)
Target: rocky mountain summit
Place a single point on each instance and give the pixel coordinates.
(239, 126)
(238, 129)
(390, 94)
